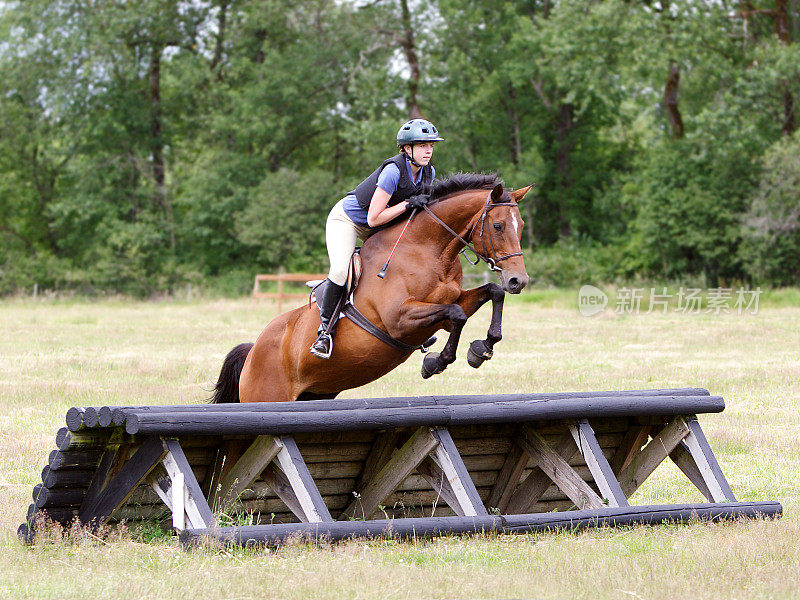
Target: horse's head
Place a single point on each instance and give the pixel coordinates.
(497, 235)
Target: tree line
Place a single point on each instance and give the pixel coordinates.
(148, 144)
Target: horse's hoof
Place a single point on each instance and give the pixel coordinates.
(431, 365)
(478, 353)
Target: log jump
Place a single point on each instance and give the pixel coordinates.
(405, 466)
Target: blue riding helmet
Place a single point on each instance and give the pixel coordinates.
(417, 131)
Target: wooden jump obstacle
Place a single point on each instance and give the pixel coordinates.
(385, 466)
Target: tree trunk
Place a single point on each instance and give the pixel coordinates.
(513, 118)
(783, 30)
(157, 141)
(221, 25)
(565, 124)
(409, 48)
(671, 100)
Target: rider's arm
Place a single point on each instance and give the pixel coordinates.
(378, 213)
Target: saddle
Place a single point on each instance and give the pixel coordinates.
(347, 309)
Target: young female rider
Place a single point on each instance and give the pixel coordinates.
(394, 187)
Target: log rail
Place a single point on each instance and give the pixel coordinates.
(402, 466)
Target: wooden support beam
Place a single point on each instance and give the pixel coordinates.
(604, 477)
(400, 466)
(196, 506)
(684, 461)
(246, 470)
(508, 478)
(631, 444)
(536, 483)
(296, 471)
(279, 483)
(557, 469)
(703, 456)
(652, 455)
(446, 455)
(382, 449)
(101, 505)
(433, 474)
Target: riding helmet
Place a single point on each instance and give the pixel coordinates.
(416, 131)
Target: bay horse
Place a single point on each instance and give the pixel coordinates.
(420, 294)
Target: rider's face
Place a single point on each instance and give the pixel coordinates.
(421, 152)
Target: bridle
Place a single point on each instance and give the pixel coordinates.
(489, 260)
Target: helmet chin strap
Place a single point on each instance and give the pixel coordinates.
(411, 156)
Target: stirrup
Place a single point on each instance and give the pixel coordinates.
(320, 348)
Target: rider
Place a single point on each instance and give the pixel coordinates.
(395, 186)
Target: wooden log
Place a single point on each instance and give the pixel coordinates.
(315, 453)
(57, 498)
(119, 413)
(75, 418)
(81, 441)
(400, 466)
(90, 416)
(73, 459)
(63, 516)
(263, 422)
(104, 416)
(67, 479)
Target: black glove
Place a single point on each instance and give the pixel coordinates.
(418, 201)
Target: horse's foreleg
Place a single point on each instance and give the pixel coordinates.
(471, 300)
(418, 315)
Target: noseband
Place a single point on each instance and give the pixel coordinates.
(489, 260)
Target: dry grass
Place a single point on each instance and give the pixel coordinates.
(54, 355)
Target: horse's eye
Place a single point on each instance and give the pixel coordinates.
(498, 226)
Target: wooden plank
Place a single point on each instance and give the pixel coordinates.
(631, 444)
(296, 471)
(537, 482)
(99, 508)
(280, 485)
(508, 478)
(179, 502)
(400, 466)
(604, 477)
(382, 449)
(703, 456)
(197, 508)
(684, 461)
(260, 453)
(449, 460)
(652, 455)
(435, 477)
(559, 470)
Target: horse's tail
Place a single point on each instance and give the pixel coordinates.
(227, 388)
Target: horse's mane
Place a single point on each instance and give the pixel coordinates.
(461, 182)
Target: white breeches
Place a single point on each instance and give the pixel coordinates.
(341, 235)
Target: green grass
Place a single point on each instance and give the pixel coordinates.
(55, 354)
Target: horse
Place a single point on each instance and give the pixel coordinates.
(419, 294)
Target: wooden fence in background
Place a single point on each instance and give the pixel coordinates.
(281, 278)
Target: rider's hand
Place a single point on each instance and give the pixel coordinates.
(418, 201)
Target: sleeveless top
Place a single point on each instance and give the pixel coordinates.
(357, 202)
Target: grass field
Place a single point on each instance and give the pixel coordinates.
(58, 354)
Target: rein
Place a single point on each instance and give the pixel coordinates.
(489, 260)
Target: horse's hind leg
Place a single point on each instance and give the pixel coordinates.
(471, 300)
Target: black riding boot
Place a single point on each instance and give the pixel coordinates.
(323, 347)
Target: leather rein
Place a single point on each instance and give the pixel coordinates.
(489, 260)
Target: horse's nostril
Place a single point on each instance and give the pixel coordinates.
(513, 283)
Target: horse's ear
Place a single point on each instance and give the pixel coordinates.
(519, 194)
(497, 193)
